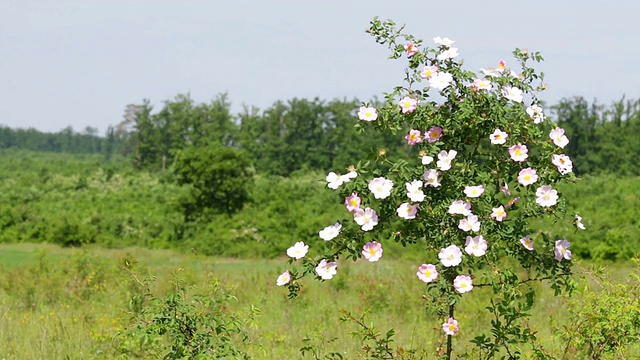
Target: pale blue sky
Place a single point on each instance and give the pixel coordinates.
(79, 63)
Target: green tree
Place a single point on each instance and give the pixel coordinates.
(220, 178)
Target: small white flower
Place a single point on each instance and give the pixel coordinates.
(444, 42)
(459, 207)
(448, 54)
(414, 191)
(546, 196)
(426, 160)
(431, 177)
(450, 256)
(561, 250)
(476, 246)
(283, 279)
(298, 251)
(445, 158)
(527, 243)
(535, 112)
(330, 232)
(440, 80)
(512, 93)
(407, 211)
(327, 270)
(381, 187)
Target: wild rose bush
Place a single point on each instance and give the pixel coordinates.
(485, 164)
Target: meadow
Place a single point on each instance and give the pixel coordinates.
(98, 262)
(81, 304)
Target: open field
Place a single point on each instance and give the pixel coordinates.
(61, 303)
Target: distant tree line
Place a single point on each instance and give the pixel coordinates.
(603, 138)
(65, 141)
(301, 134)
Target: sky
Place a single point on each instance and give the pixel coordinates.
(79, 63)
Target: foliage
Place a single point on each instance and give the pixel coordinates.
(183, 324)
(603, 139)
(67, 140)
(179, 124)
(605, 319)
(219, 178)
(80, 199)
(57, 198)
(610, 206)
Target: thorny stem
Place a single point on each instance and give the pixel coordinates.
(449, 337)
(519, 283)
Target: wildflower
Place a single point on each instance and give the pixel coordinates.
(473, 191)
(407, 211)
(336, 180)
(579, 223)
(546, 196)
(427, 273)
(476, 246)
(505, 189)
(434, 134)
(502, 66)
(470, 223)
(428, 72)
(512, 93)
(431, 177)
(367, 114)
(463, 283)
(298, 250)
(519, 152)
(381, 187)
(414, 191)
(443, 42)
(498, 213)
(512, 201)
(366, 218)
(408, 105)
(450, 256)
(481, 84)
(450, 327)
(283, 279)
(498, 137)
(450, 53)
(527, 176)
(440, 80)
(330, 232)
(558, 137)
(414, 137)
(352, 202)
(535, 112)
(561, 250)
(426, 160)
(372, 251)
(563, 163)
(527, 243)
(459, 207)
(411, 49)
(445, 158)
(327, 270)
(489, 72)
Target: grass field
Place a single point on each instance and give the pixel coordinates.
(58, 303)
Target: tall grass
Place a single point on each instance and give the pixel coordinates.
(76, 303)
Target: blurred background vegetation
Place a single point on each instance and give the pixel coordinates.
(197, 178)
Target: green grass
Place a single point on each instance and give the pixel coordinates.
(60, 303)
